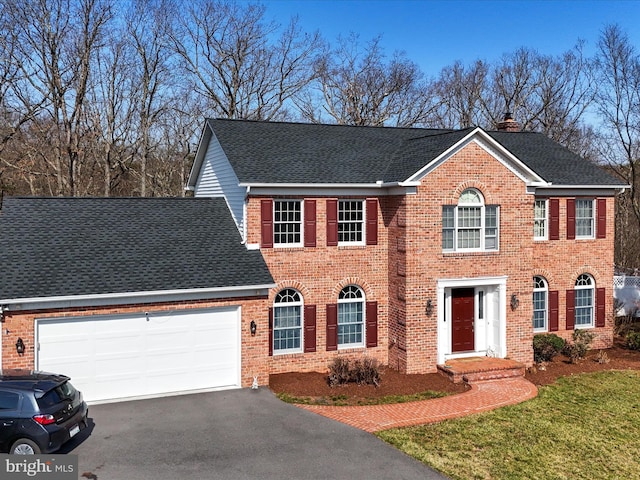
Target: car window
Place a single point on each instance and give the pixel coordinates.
(9, 401)
(66, 391)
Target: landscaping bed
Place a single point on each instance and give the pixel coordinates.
(315, 388)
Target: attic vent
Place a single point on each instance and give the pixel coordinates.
(508, 124)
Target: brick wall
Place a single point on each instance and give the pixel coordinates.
(20, 324)
(402, 271)
(319, 273)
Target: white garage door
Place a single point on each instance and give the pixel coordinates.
(116, 357)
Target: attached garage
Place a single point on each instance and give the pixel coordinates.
(132, 297)
(113, 357)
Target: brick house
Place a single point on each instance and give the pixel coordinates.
(306, 242)
(414, 246)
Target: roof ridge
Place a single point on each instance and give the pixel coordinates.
(441, 133)
(278, 122)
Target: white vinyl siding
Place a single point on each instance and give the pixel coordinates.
(217, 179)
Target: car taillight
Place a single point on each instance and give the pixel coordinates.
(44, 419)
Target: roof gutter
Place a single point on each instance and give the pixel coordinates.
(65, 301)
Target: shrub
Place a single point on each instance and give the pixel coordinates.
(362, 371)
(365, 372)
(633, 340)
(602, 357)
(577, 350)
(339, 371)
(546, 346)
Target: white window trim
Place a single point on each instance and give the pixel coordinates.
(592, 287)
(299, 304)
(593, 219)
(293, 244)
(545, 290)
(362, 300)
(363, 222)
(545, 220)
(483, 234)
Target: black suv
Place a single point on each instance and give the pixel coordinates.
(39, 411)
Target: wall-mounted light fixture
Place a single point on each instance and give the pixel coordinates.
(253, 327)
(429, 307)
(514, 301)
(20, 346)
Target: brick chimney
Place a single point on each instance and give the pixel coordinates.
(508, 124)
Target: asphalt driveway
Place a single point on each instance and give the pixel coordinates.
(231, 435)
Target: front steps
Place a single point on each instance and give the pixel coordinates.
(477, 369)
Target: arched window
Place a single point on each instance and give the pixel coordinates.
(287, 321)
(351, 317)
(540, 304)
(471, 225)
(584, 303)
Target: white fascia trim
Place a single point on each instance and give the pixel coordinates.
(67, 301)
(332, 189)
(378, 184)
(522, 171)
(603, 187)
(578, 190)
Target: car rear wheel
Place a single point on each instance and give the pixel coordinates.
(24, 446)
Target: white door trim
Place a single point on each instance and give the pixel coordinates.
(493, 286)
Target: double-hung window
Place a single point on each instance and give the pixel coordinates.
(584, 301)
(540, 304)
(540, 220)
(350, 221)
(287, 223)
(585, 218)
(471, 225)
(351, 317)
(287, 322)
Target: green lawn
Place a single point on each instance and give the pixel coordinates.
(583, 427)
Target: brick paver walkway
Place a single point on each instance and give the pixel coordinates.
(483, 396)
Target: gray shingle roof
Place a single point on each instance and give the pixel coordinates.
(274, 152)
(85, 246)
(552, 161)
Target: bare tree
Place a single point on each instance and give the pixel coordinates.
(462, 94)
(548, 94)
(619, 109)
(59, 40)
(19, 102)
(111, 110)
(228, 51)
(148, 28)
(355, 85)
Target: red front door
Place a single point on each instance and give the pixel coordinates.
(462, 320)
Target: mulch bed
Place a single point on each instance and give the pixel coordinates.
(394, 383)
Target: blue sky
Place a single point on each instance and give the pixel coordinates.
(436, 33)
